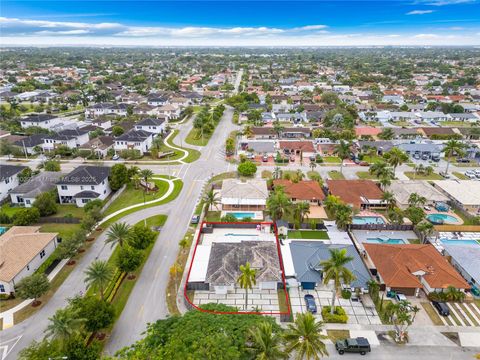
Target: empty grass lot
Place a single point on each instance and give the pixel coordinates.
(331, 159)
(365, 175)
(308, 234)
(413, 176)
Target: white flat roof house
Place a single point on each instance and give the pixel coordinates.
(402, 189)
(465, 193)
(22, 250)
(244, 195)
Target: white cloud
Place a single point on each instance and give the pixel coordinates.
(449, 2)
(310, 27)
(420, 12)
(426, 36)
(67, 32)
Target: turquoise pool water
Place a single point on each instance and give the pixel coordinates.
(442, 218)
(243, 215)
(3, 230)
(385, 241)
(232, 234)
(361, 220)
(460, 242)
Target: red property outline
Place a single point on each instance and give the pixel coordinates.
(241, 312)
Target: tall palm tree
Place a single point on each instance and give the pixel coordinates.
(210, 199)
(118, 234)
(264, 343)
(342, 150)
(335, 269)
(278, 128)
(389, 199)
(395, 157)
(136, 180)
(303, 210)
(278, 204)
(453, 147)
(247, 279)
(304, 338)
(395, 215)
(331, 202)
(425, 228)
(415, 200)
(343, 215)
(380, 169)
(98, 275)
(385, 180)
(64, 324)
(312, 165)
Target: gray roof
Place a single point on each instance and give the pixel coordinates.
(307, 255)
(7, 171)
(468, 257)
(226, 258)
(262, 146)
(434, 148)
(87, 194)
(31, 141)
(85, 175)
(38, 118)
(151, 122)
(135, 135)
(38, 184)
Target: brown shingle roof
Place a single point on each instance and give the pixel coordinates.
(303, 190)
(397, 263)
(305, 146)
(352, 191)
(18, 246)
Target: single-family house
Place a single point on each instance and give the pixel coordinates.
(464, 193)
(410, 268)
(99, 146)
(25, 194)
(466, 260)
(307, 256)
(22, 250)
(304, 190)
(171, 112)
(31, 143)
(44, 121)
(83, 184)
(402, 189)
(361, 194)
(9, 178)
(153, 125)
(240, 195)
(140, 140)
(295, 147)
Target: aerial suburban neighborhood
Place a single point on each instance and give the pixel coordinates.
(193, 201)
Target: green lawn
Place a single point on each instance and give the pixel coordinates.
(132, 196)
(213, 216)
(194, 137)
(192, 153)
(336, 175)
(154, 221)
(371, 159)
(460, 175)
(413, 176)
(308, 234)
(332, 159)
(365, 175)
(63, 230)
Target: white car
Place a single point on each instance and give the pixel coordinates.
(400, 297)
(470, 174)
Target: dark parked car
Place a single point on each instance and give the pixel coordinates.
(441, 307)
(195, 219)
(463, 160)
(310, 303)
(357, 345)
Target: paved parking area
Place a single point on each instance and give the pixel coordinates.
(357, 313)
(263, 300)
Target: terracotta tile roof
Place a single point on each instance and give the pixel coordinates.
(305, 146)
(303, 190)
(367, 130)
(18, 246)
(397, 263)
(354, 191)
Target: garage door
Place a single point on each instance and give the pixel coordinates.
(406, 291)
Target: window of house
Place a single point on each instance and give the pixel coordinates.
(7, 180)
(92, 187)
(64, 187)
(2, 288)
(84, 201)
(28, 202)
(28, 267)
(81, 187)
(42, 254)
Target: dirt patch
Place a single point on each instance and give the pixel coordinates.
(452, 336)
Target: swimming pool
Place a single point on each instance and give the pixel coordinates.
(442, 218)
(459, 242)
(232, 234)
(3, 230)
(361, 220)
(243, 215)
(385, 241)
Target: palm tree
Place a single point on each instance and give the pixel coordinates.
(386, 134)
(389, 199)
(304, 338)
(395, 215)
(98, 275)
(303, 210)
(395, 157)
(335, 269)
(64, 324)
(118, 234)
(136, 180)
(299, 175)
(277, 173)
(378, 168)
(210, 199)
(453, 147)
(342, 150)
(425, 229)
(278, 128)
(248, 132)
(247, 279)
(385, 180)
(331, 202)
(415, 200)
(313, 165)
(264, 343)
(278, 204)
(146, 174)
(343, 216)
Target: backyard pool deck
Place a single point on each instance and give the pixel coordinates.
(236, 235)
(363, 236)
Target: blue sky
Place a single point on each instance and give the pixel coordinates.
(230, 23)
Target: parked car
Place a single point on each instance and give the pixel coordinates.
(470, 174)
(400, 297)
(364, 163)
(445, 175)
(357, 345)
(427, 208)
(116, 157)
(441, 307)
(250, 156)
(195, 219)
(312, 157)
(310, 303)
(265, 158)
(463, 160)
(424, 157)
(436, 158)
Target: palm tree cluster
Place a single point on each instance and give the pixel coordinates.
(279, 206)
(301, 340)
(342, 212)
(383, 172)
(453, 147)
(420, 169)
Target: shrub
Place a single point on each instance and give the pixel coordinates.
(46, 203)
(346, 294)
(229, 218)
(129, 259)
(91, 205)
(52, 165)
(32, 287)
(247, 168)
(26, 216)
(141, 237)
(118, 176)
(98, 314)
(339, 316)
(4, 218)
